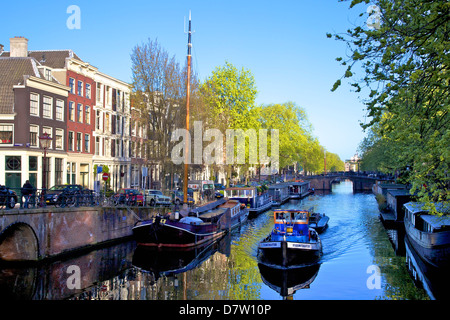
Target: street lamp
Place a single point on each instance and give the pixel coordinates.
(45, 140)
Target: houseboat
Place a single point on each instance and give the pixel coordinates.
(429, 235)
(299, 189)
(395, 200)
(279, 193)
(238, 211)
(292, 242)
(201, 225)
(255, 203)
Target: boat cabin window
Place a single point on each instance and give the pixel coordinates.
(290, 216)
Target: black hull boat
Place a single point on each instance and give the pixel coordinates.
(199, 227)
(291, 242)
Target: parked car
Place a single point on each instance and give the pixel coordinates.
(129, 196)
(219, 186)
(155, 197)
(7, 197)
(52, 194)
(218, 194)
(178, 198)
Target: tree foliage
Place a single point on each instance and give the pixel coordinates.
(406, 60)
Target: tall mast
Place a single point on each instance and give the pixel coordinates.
(188, 87)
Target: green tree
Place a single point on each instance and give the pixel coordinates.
(405, 58)
(228, 103)
(293, 127)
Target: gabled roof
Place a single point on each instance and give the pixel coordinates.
(52, 58)
(12, 72)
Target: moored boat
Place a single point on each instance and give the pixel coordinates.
(255, 203)
(198, 227)
(428, 234)
(292, 242)
(279, 193)
(318, 221)
(298, 189)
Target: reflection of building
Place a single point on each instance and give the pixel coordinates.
(353, 163)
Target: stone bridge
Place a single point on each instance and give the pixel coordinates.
(37, 234)
(360, 183)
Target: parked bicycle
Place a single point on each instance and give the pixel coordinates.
(8, 198)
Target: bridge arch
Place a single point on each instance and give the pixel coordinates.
(18, 242)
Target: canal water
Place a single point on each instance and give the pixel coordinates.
(360, 261)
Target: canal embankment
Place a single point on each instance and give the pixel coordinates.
(44, 233)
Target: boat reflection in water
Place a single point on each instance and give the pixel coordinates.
(286, 281)
(172, 261)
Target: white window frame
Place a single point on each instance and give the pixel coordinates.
(59, 106)
(2, 128)
(46, 111)
(61, 134)
(49, 131)
(32, 102)
(34, 128)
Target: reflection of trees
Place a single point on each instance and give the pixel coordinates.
(398, 284)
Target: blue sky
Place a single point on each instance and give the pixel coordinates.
(283, 43)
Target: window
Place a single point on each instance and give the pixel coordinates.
(118, 119)
(118, 154)
(80, 113)
(59, 136)
(32, 163)
(87, 115)
(13, 163)
(34, 132)
(78, 141)
(97, 119)
(88, 90)
(49, 131)
(71, 111)
(97, 146)
(34, 104)
(59, 110)
(80, 88)
(47, 108)
(48, 74)
(86, 143)
(71, 172)
(70, 146)
(72, 85)
(108, 99)
(107, 123)
(58, 170)
(6, 134)
(99, 92)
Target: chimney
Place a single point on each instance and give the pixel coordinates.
(1, 48)
(18, 47)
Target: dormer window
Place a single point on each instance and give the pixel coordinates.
(48, 74)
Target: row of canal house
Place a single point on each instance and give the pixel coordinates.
(87, 114)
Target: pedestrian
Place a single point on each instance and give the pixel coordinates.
(27, 191)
